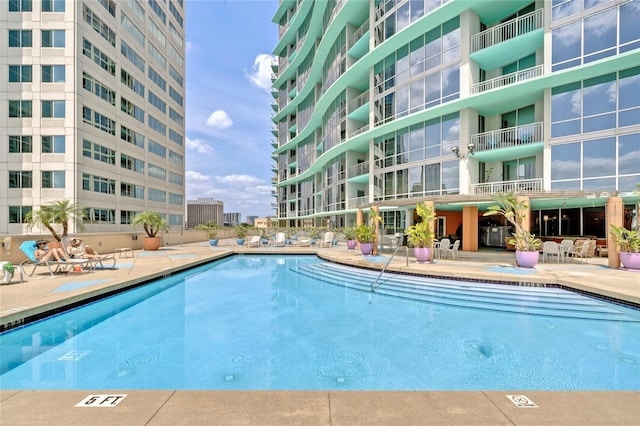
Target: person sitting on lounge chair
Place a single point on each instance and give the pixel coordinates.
(42, 253)
(78, 251)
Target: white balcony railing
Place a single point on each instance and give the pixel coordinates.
(503, 32)
(358, 169)
(356, 203)
(360, 130)
(360, 100)
(523, 185)
(353, 39)
(505, 80)
(504, 138)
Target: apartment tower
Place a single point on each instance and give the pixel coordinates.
(392, 103)
(92, 110)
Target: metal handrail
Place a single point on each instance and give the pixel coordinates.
(375, 284)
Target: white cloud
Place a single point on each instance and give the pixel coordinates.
(198, 145)
(240, 180)
(187, 46)
(260, 74)
(219, 120)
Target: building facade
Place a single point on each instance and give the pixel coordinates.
(392, 103)
(204, 210)
(232, 219)
(92, 110)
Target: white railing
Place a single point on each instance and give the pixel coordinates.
(523, 185)
(504, 138)
(503, 32)
(360, 130)
(505, 80)
(358, 33)
(358, 169)
(358, 202)
(360, 100)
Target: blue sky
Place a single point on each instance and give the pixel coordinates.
(228, 103)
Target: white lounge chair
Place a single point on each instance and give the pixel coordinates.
(254, 241)
(96, 259)
(327, 240)
(29, 248)
(280, 240)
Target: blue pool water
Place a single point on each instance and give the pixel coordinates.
(299, 323)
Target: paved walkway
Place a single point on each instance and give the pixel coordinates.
(41, 294)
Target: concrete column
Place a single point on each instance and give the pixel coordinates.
(470, 228)
(359, 219)
(614, 215)
(374, 212)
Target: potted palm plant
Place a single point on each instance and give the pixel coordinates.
(365, 235)
(421, 235)
(241, 232)
(628, 243)
(211, 229)
(514, 211)
(350, 236)
(152, 223)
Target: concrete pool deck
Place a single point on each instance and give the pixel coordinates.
(41, 294)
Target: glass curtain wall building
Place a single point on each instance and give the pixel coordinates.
(391, 103)
(92, 110)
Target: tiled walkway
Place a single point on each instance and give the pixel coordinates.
(42, 294)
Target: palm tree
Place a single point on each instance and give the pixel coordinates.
(57, 213)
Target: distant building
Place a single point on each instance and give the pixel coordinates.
(204, 210)
(232, 219)
(251, 219)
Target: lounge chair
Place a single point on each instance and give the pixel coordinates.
(327, 239)
(550, 249)
(254, 241)
(29, 248)
(98, 259)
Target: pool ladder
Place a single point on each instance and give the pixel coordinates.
(376, 284)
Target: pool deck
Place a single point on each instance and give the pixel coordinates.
(41, 294)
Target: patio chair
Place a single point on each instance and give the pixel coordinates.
(280, 240)
(29, 248)
(254, 241)
(584, 251)
(441, 246)
(327, 240)
(95, 257)
(550, 249)
(453, 249)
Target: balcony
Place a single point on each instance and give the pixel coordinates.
(503, 32)
(505, 80)
(358, 170)
(522, 185)
(507, 138)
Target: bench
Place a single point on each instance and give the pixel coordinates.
(124, 252)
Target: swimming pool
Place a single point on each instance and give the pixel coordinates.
(298, 323)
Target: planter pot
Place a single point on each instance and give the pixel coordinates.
(151, 243)
(422, 254)
(240, 241)
(527, 259)
(366, 248)
(630, 260)
(351, 244)
(213, 242)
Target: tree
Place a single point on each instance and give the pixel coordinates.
(151, 222)
(57, 213)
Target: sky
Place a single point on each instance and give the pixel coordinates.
(228, 103)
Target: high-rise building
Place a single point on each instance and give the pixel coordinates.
(204, 210)
(232, 219)
(92, 110)
(392, 103)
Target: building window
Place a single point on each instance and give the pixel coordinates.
(131, 109)
(98, 152)
(53, 179)
(157, 125)
(92, 52)
(20, 179)
(157, 172)
(53, 144)
(176, 76)
(176, 220)
(99, 25)
(20, 73)
(98, 120)
(131, 82)
(109, 5)
(176, 158)
(19, 5)
(131, 190)
(158, 10)
(20, 109)
(173, 94)
(20, 38)
(99, 89)
(157, 195)
(157, 102)
(176, 178)
(53, 5)
(53, 109)
(131, 55)
(176, 137)
(98, 184)
(176, 117)
(18, 214)
(130, 163)
(53, 74)
(53, 38)
(132, 137)
(157, 149)
(176, 199)
(157, 79)
(103, 216)
(20, 144)
(126, 216)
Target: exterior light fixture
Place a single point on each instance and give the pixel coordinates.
(456, 151)
(471, 147)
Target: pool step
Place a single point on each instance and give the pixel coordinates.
(468, 294)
